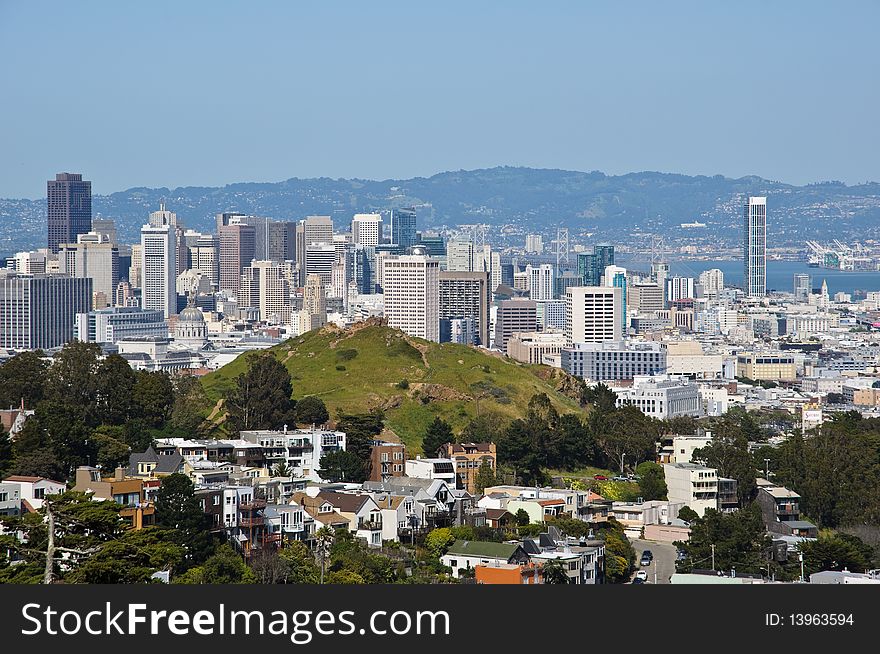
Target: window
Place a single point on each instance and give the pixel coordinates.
(39, 493)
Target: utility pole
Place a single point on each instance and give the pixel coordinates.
(622, 455)
(50, 547)
(767, 469)
(713, 556)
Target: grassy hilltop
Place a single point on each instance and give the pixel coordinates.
(413, 381)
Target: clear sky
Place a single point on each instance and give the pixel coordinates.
(185, 92)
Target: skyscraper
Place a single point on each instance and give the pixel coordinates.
(69, 209)
(712, 281)
(755, 247)
(593, 314)
(803, 286)
(237, 250)
(39, 311)
(95, 257)
(411, 285)
(541, 281)
(265, 286)
(159, 265)
(366, 229)
(314, 229)
(466, 295)
(403, 228)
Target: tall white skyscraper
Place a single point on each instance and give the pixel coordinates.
(679, 288)
(159, 264)
(755, 247)
(712, 281)
(93, 256)
(460, 256)
(266, 286)
(411, 284)
(366, 229)
(535, 243)
(593, 314)
(541, 281)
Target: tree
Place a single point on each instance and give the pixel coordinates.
(311, 410)
(438, 434)
(301, 566)
(342, 465)
(6, 452)
(554, 572)
(225, 566)
(178, 509)
(191, 405)
(439, 540)
(485, 477)
(687, 514)
(735, 540)
(131, 559)
(22, 379)
(730, 457)
(262, 397)
(115, 390)
(483, 428)
(112, 449)
(72, 380)
(835, 551)
(154, 397)
(520, 446)
(522, 517)
(600, 396)
(360, 432)
(40, 462)
(652, 481)
(282, 470)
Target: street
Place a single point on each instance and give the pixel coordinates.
(664, 560)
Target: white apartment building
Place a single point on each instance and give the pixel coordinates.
(441, 469)
(159, 266)
(541, 281)
(693, 485)
(593, 314)
(411, 285)
(712, 281)
(366, 229)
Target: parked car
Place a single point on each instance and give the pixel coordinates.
(638, 581)
(620, 478)
(641, 575)
(600, 477)
(680, 555)
(647, 557)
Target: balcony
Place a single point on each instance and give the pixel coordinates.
(371, 525)
(251, 521)
(253, 505)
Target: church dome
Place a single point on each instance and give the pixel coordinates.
(191, 314)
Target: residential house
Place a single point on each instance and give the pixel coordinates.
(126, 491)
(32, 490)
(465, 555)
(467, 459)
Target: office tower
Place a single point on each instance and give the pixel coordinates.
(30, 263)
(39, 311)
(364, 270)
(466, 295)
(105, 227)
(229, 218)
(712, 281)
(755, 246)
(434, 245)
(403, 228)
(586, 267)
(604, 256)
(366, 229)
(803, 287)
(320, 258)
(507, 270)
(411, 285)
(159, 264)
(645, 297)
(679, 288)
(164, 217)
(95, 257)
(204, 257)
(69, 209)
(135, 274)
(314, 229)
(314, 311)
(659, 273)
(564, 280)
(591, 266)
(514, 317)
(124, 296)
(490, 262)
(540, 281)
(615, 276)
(265, 286)
(593, 314)
(551, 315)
(534, 244)
(274, 240)
(460, 256)
(237, 250)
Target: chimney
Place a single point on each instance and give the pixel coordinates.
(120, 473)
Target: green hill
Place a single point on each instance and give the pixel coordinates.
(364, 368)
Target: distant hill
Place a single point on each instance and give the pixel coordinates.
(520, 199)
(361, 368)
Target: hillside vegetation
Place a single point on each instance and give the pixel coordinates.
(371, 366)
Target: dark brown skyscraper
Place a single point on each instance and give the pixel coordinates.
(69, 208)
(237, 250)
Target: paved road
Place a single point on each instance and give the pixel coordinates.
(664, 560)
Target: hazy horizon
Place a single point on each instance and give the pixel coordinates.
(174, 95)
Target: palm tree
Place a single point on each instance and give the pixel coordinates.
(282, 470)
(325, 537)
(554, 573)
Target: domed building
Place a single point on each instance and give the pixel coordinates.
(191, 331)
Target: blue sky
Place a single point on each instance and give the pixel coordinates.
(206, 93)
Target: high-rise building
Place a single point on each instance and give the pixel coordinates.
(204, 257)
(712, 281)
(237, 250)
(591, 266)
(69, 209)
(314, 229)
(541, 281)
(411, 285)
(803, 287)
(320, 259)
(95, 257)
(593, 314)
(265, 286)
(534, 244)
(158, 268)
(466, 295)
(39, 311)
(679, 288)
(403, 228)
(460, 256)
(616, 276)
(755, 246)
(659, 273)
(105, 227)
(514, 317)
(314, 311)
(366, 229)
